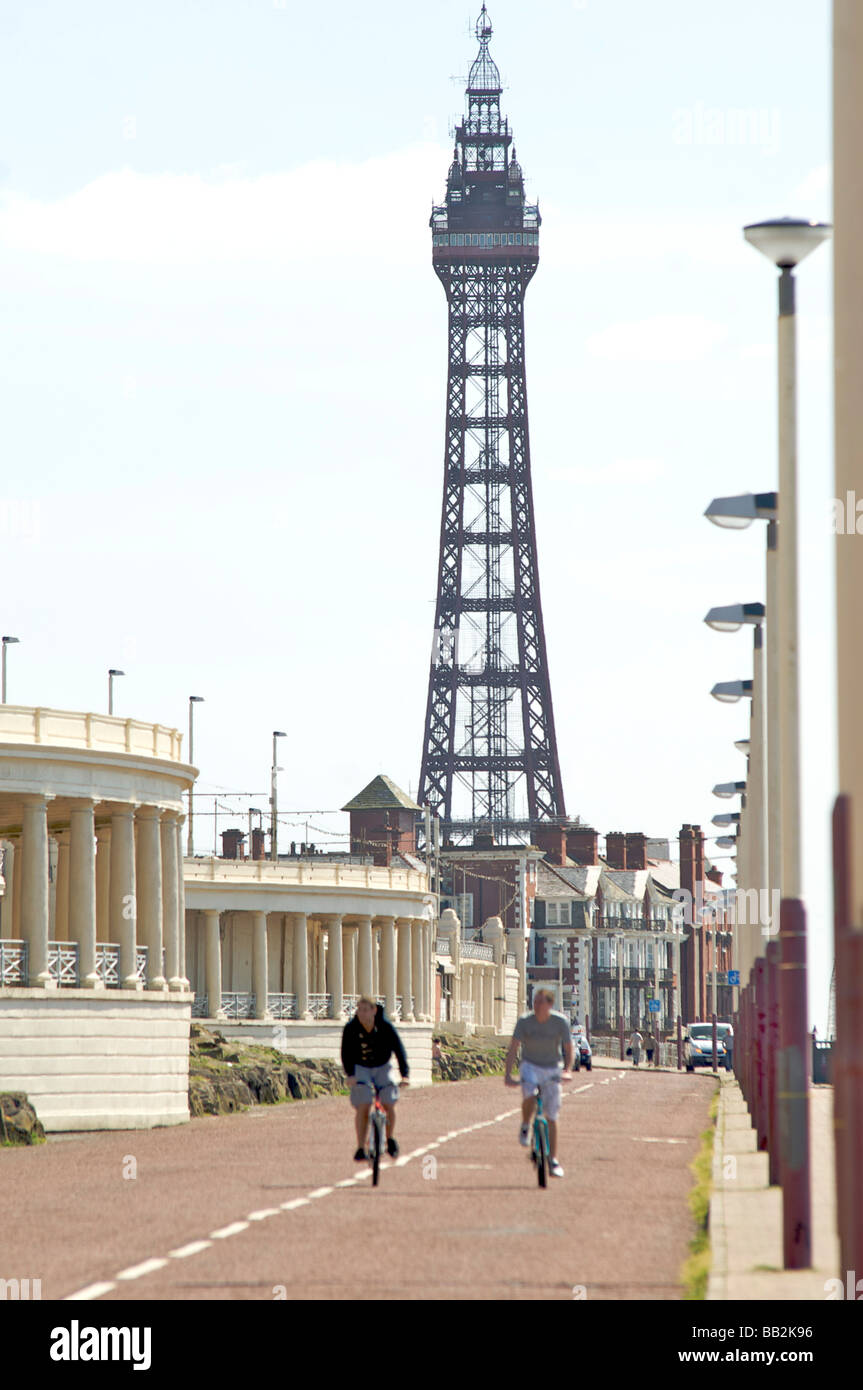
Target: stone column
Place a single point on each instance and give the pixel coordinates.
(181, 906)
(82, 892)
(335, 967)
(364, 956)
(123, 904)
(213, 963)
(404, 967)
(417, 967)
(260, 965)
(148, 878)
(34, 889)
(16, 890)
(376, 969)
(489, 975)
(449, 928)
(301, 964)
(427, 969)
(388, 964)
(349, 960)
(171, 900)
(7, 914)
(493, 935)
(61, 890)
(321, 958)
(103, 880)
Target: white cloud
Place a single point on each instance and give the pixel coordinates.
(663, 338)
(318, 210)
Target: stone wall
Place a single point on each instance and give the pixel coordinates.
(323, 1039)
(117, 1061)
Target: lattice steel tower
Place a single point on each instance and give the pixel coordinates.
(489, 756)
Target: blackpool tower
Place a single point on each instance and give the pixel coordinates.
(489, 763)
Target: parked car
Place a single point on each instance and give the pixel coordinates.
(583, 1054)
(698, 1045)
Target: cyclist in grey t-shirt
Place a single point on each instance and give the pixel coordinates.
(543, 1036)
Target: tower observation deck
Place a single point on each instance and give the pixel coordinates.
(489, 762)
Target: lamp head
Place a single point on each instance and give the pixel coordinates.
(732, 617)
(729, 692)
(787, 240)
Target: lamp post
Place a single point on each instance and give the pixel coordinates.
(274, 828)
(111, 674)
(193, 700)
(7, 641)
(731, 618)
(786, 242)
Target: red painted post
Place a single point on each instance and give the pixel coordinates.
(679, 1042)
(793, 1100)
(761, 1052)
(772, 1059)
(847, 1048)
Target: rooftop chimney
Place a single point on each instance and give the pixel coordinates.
(615, 849)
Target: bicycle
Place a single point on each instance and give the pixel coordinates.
(376, 1137)
(539, 1150)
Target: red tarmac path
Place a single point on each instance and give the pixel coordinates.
(205, 1216)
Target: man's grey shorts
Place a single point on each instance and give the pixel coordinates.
(371, 1079)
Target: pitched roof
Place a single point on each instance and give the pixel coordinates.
(381, 794)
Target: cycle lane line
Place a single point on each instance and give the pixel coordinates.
(96, 1290)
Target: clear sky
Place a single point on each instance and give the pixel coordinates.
(223, 368)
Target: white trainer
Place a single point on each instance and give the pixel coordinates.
(555, 1169)
(524, 1136)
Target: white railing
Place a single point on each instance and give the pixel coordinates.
(443, 946)
(101, 732)
(282, 1005)
(141, 954)
(319, 1005)
(237, 1005)
(200, 1007)
(108, 964)
(511, 959)
(13, 963)
(475, 950)
(63, 963)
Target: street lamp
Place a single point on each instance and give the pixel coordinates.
(7, 641)
(111, 674)
(727, 818)
(727, 789)
(736, 513)
(732, 616)
(193, 700)
(787, 241)
(274, 829)
(729, 692)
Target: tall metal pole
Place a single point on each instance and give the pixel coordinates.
(193, 700)
(793, 1104)
(274, 794)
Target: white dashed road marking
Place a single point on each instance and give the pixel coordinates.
(146, 1267)
(195, 1247)
(232, 1230)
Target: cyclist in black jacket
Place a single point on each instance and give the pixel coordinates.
(368, 1043)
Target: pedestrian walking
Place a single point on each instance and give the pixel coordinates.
(635, 1044)
(650, 1047)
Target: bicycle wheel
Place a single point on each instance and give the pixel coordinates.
(377, 1143)
(541, 1146)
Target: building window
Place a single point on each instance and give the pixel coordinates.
(557, 914)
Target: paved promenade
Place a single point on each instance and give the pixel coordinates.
(746, 1214)
(269, 1205)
